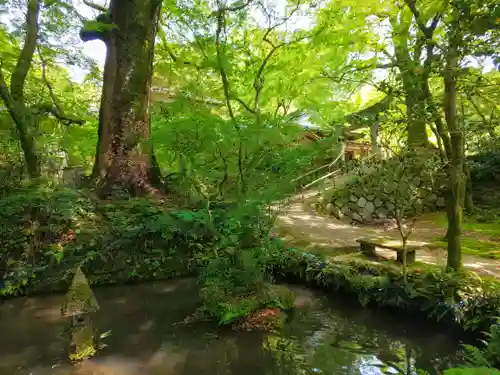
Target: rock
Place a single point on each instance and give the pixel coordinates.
(356, 217)
(362, 202)
(336, 212)
(390, 207)
(329, 208)
(378, 202)
(353, 207)
(417, 181)
(370, 198)
(440, 202)
(367, 216)
(370, 207)
(381, 213)
(353, 199)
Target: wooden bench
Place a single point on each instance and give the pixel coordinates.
(368, 246)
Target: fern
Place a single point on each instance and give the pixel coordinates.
(475, 357)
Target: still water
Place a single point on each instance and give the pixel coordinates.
(324, 336)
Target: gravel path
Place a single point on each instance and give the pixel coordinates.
(299, 225)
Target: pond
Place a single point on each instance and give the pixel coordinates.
(323, 336)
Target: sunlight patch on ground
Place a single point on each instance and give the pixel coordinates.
(303, 227)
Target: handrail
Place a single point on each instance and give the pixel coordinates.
(317, 169)
(310, 172)
(321, 178)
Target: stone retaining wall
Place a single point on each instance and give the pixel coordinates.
(362, 199)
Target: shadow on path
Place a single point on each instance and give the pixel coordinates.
(300, 225)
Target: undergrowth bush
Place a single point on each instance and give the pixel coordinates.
(235, 277)
(461, 298)
(458, 298)
(489, 354)
(485, 167)
(47, 231)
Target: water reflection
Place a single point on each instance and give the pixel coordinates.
(322, 337)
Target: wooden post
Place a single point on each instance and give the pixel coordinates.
(79, 305)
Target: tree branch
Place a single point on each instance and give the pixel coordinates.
(222, 71)
(171, 53)
(245, 105)
(95, 6)
(55, 109)
(234, 8)
(176, 59)
(426, 30)
(20, 73)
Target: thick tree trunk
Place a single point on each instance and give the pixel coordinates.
(124, 159)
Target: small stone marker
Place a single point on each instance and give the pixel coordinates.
(79, 305)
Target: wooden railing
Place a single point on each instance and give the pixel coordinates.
(317, 176)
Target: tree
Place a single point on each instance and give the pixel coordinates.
(27, 111)
(125, 159)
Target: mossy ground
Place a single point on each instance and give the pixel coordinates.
(479, 239)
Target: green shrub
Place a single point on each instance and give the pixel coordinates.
(235, 276)
(489, 355)
(485, 167)
(47, 231)
(461, 298)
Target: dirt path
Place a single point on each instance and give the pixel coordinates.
(299, 225)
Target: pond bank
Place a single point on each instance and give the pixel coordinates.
(456, 299)
(459, 299)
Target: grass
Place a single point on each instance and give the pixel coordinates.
(479, 239)
(472, 246)
(470, 224)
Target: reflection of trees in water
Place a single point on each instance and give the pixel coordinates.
(314, 342)
(338, 345)
(286, 356)
(238, 353)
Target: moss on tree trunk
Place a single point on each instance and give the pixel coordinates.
(125, 159)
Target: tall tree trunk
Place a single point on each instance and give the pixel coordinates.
(124, 157)
(456, 164)
(14, 98)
